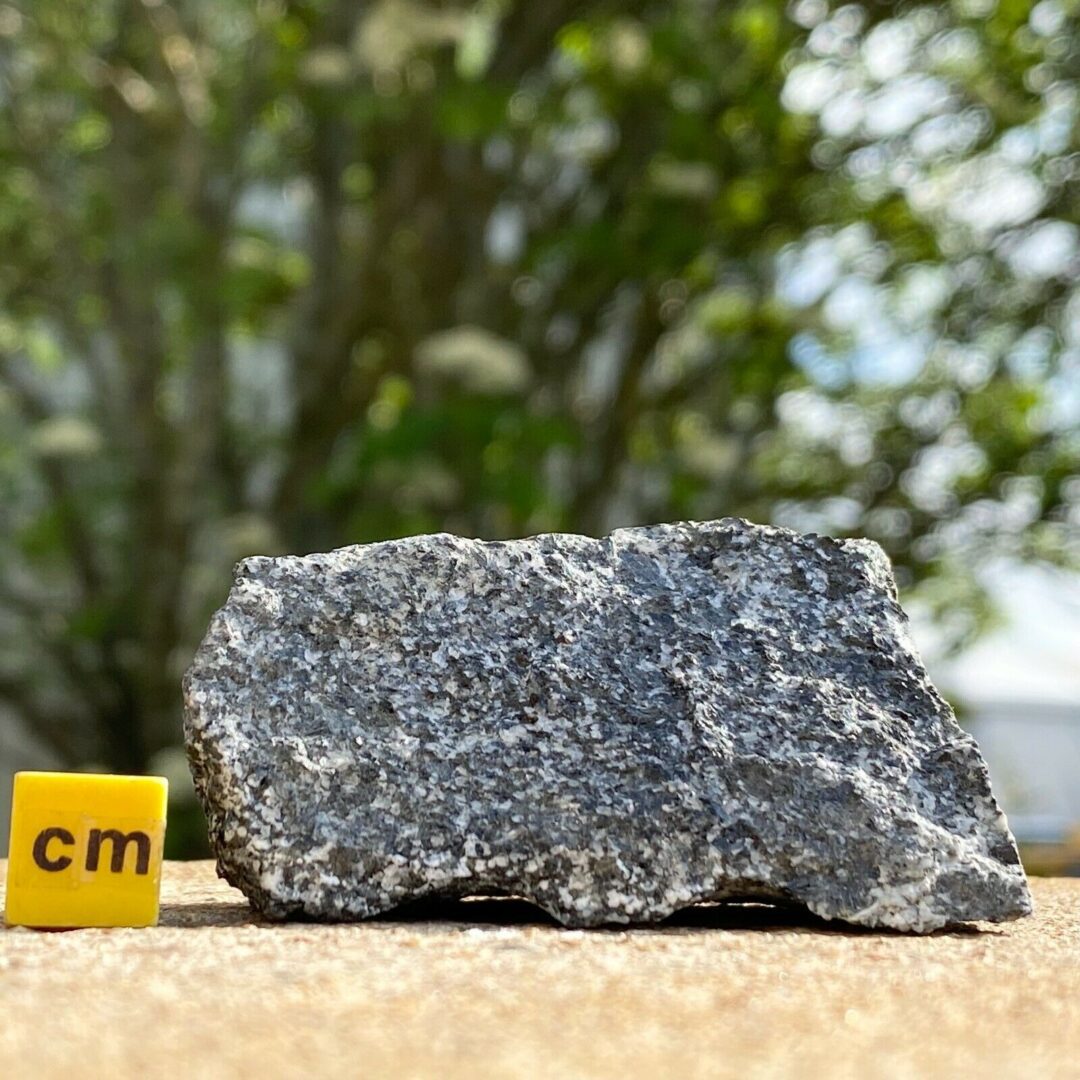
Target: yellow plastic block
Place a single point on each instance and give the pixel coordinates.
(85, 850)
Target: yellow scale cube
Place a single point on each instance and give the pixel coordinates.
(85, 850)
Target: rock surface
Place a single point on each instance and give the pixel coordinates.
(613, 729)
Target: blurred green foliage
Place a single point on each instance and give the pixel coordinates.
(281, 276)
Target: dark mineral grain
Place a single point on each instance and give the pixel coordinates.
(613, 729)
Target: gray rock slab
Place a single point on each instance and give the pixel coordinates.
(613, 729)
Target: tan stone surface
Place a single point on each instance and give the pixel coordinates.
(212, 993)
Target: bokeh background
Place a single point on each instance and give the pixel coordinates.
(280, 276)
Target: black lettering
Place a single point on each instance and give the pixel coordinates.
(119, 843)
(41, 849)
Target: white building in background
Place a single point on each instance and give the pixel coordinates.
(1018, 692)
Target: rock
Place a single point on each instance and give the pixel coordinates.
(611, 728)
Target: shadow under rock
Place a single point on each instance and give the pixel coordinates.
(705, 916)
(516, 911)
(496, 911)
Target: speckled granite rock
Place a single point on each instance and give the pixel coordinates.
(612, 728)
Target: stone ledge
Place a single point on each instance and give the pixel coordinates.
(756, 991)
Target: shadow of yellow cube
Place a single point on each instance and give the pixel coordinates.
(85, 850)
